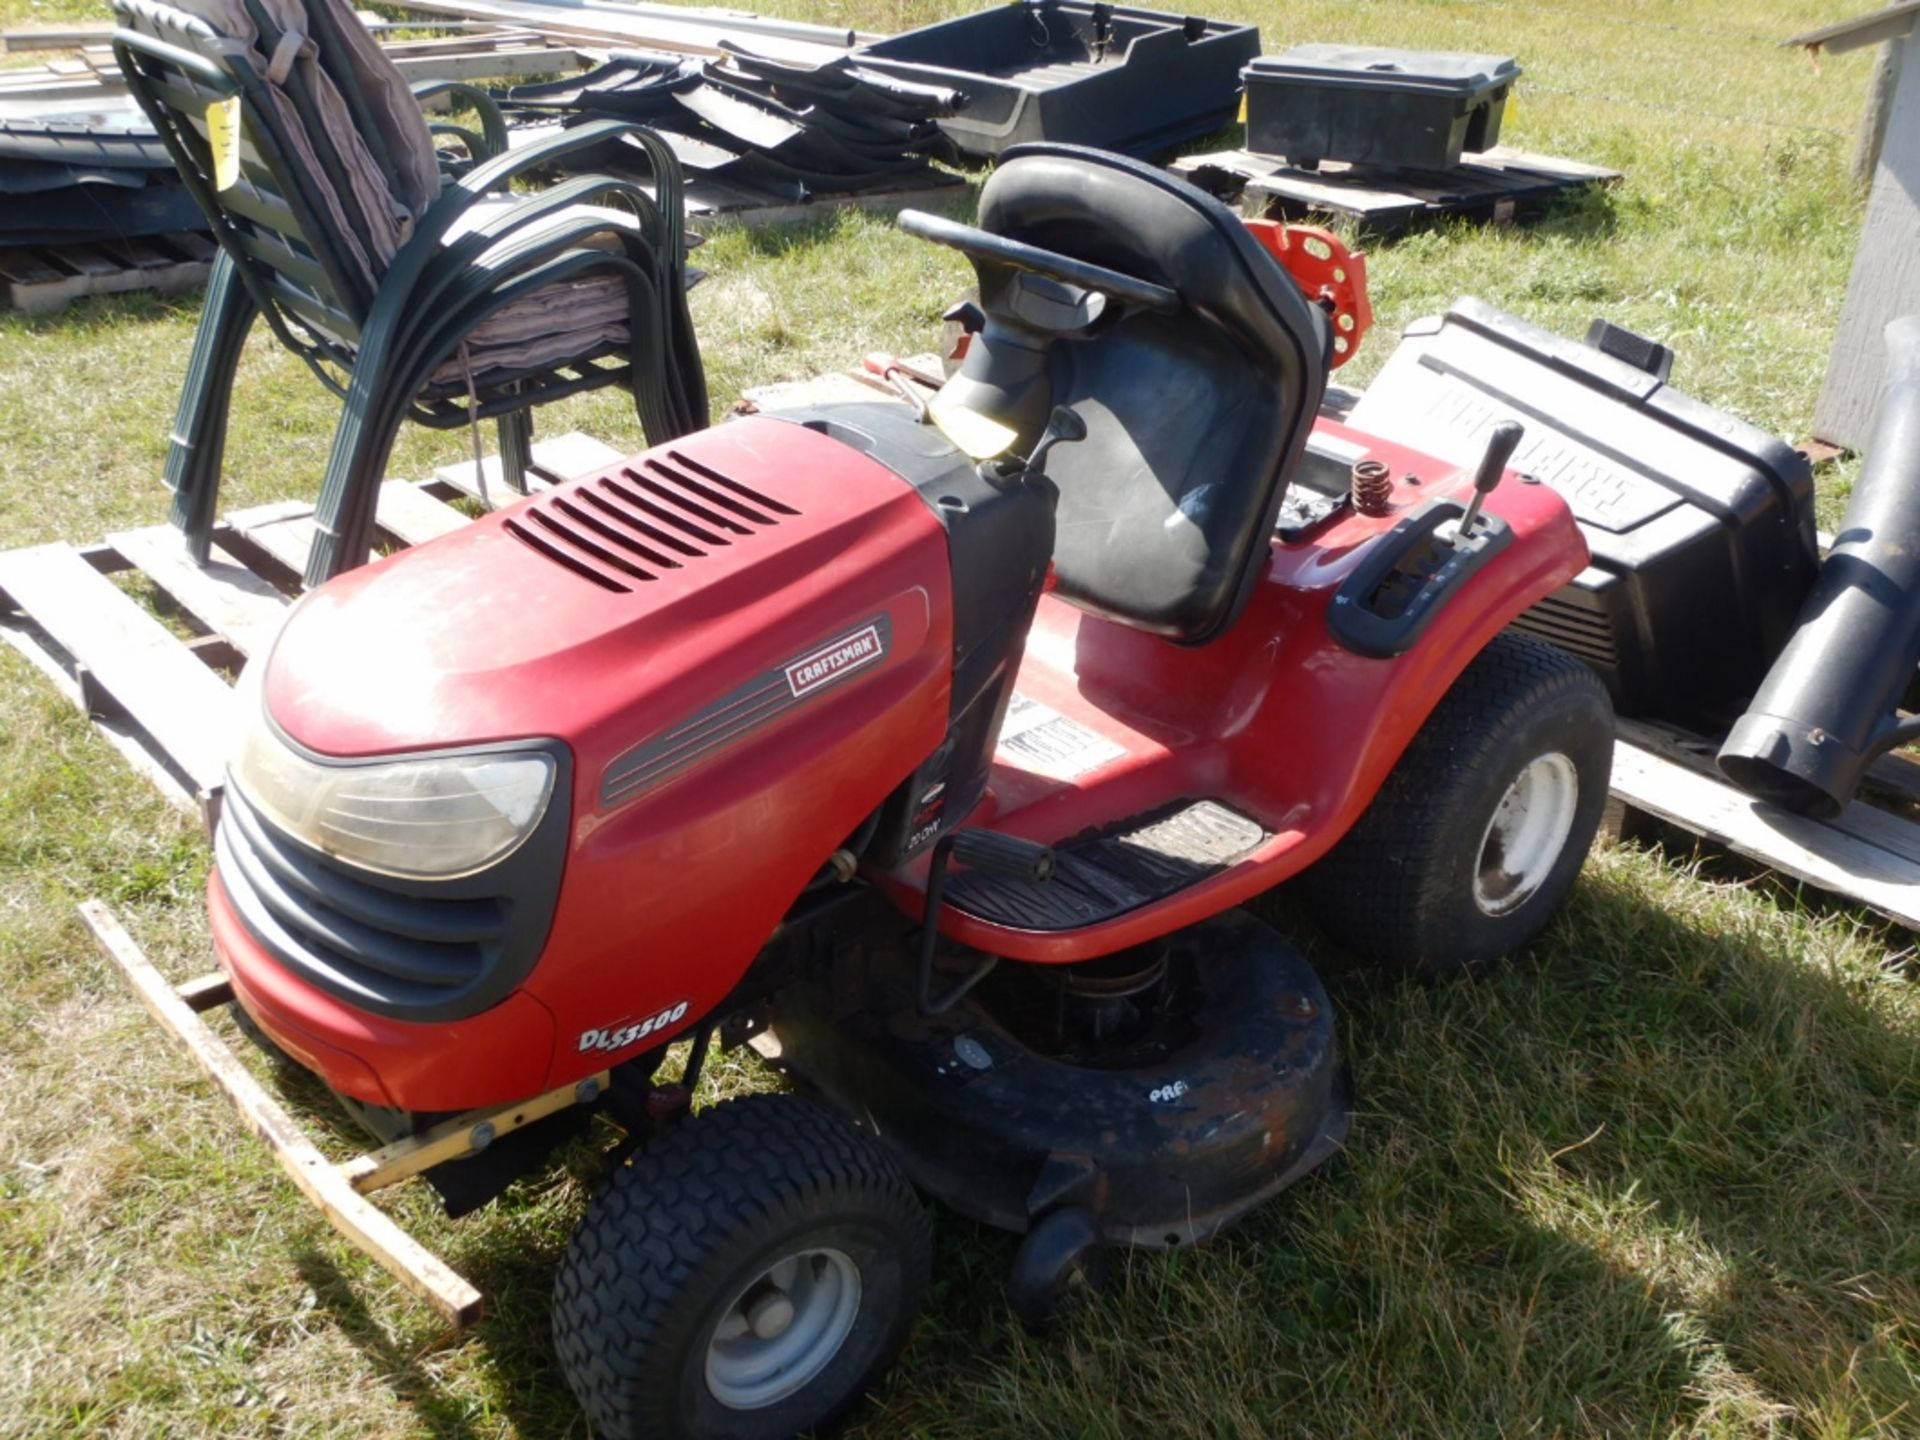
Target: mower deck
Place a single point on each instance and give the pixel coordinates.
(1166, 1098)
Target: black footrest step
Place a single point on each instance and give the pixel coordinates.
(1100, 876)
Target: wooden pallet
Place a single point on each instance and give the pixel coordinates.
(1497, 185)
(163, 698)
(40, 279)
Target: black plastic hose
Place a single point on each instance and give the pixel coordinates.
(1830, 703)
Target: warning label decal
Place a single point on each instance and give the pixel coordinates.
(1037, 737)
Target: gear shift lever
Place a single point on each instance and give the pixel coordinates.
(1493, 465)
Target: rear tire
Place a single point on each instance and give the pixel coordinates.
(1476, 837)
(748, 1275)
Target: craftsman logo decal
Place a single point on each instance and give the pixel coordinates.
(619, 1037)
(834, 660)
(732, 718)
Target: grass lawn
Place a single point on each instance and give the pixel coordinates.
(1661, 1176)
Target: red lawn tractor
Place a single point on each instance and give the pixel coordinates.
(932, 748)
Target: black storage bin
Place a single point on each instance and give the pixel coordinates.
(1701, 526)
(1136, 81)
(1395, 109)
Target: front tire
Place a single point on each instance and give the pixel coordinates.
(748, 1275)
(1476, 837)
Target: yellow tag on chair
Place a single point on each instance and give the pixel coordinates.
(978, 436)
(223, 135)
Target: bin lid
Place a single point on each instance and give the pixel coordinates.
(1379, 67)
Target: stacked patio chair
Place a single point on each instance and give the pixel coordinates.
(411, 290)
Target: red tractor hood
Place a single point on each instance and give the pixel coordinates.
(622, 600)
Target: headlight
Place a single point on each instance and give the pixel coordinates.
(432, 818)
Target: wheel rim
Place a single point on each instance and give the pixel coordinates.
(783, 1329)
(1528, 831)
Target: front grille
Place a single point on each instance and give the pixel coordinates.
(1574, 628)
(413, 950)
(629, 527)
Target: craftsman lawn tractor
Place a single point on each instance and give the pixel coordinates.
(931, 748)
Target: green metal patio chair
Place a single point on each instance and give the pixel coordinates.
(410, 292)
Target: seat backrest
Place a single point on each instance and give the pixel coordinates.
(1194, 419)
(335, 159)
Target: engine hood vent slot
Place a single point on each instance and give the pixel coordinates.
(629, 526)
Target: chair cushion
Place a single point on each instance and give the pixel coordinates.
(358, 65)
(376, 213)
(556, 322)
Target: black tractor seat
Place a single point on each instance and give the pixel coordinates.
(1194, 418)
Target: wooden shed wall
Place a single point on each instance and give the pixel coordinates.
(1886, 270)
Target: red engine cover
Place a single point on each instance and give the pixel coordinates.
(821, 638)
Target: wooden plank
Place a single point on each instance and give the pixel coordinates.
(27, 639)
(346, 1210)
(413, 517)
(24, 266)
(495, 492)
(1893, 833)
(89, 260)
(178, 701)
(189, 245)
(1822, 856)
(576, 453)
(518, 62)
(223, 595)
(18, 39)
(1894, 21)
(463, 1135)
(1871, 134)
(1494, 183)
(98, 273)
(820, 390)
(286, 529)
(1886, 273)
(1896, 775)
(283, 529)
(564, 457)
(1558, 166)
(205, 992)
(700, 33)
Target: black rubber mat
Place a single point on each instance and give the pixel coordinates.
(1096, 878)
